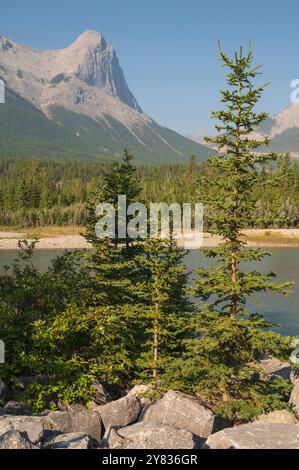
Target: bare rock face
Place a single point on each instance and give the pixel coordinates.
(87, 70)
(76, 440)
(15, 440)
(122, 412)
(279, 416)
(32, 425)
(64, 422)
(150, 436)
(257, 435)
(183, 412)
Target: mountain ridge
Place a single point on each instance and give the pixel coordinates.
(86, 78)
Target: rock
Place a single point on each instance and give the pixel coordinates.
(32, 425)
(87, 422)
(122, 412)
(3, 391)
(274, 367)
(257, 435)
(183, 412)
(75, 440)
(101, 395)
(294, 377)
(23, 382)
(294, 398)
(278, 416)
(140, 391)
(150, 436)
(111, 440)
(18, 409)
(15, 440)
(77, 407)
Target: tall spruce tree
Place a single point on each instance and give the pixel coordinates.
(166, 308)
(222, 359)
(112, 300)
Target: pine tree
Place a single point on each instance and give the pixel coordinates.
(166, 308)
(222, 360)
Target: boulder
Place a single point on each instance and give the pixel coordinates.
(101, 395)
(149, 436)
(75, 440)
(182, 411)
(294, 398)
(15, 440)
(140, 391)
(32, 425)
(275, 367)
(278, 416)
(257, 435)
(18, 409)
(122, 412)
(23, 382)
(64, 422)
(3, 391)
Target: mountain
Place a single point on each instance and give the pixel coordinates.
(283, 130)
(75, 103)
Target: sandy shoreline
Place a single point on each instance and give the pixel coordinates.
(254, 237)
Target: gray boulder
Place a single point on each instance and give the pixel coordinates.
(275, 367)
(257, 435)
(15, 440)
(122, 412)
(64, 422)
(278, 416)
(149, 436)
(182, 411)
(101, 395)
(18, 409)
(140, 391)
(3, 391)
(76, 440)
(294, 398)
(32, 425)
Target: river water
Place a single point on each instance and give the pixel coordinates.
(284, 262)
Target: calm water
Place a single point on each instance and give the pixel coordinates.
(284, 261)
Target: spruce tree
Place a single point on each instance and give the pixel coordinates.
(165, 310)
(222, 359)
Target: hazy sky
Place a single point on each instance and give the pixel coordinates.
(168, 48)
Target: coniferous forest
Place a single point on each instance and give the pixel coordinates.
(122, 312)
(41, 193)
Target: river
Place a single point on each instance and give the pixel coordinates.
(276, 308)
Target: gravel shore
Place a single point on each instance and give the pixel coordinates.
(254, 237)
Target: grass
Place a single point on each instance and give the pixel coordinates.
(273, 237)
(44, 232)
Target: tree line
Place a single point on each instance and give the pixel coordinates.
(122, 312)
(40, 193)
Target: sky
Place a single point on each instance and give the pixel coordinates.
(168, 48)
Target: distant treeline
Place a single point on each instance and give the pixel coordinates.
(38, 193)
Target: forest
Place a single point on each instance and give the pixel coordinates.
(41, 193)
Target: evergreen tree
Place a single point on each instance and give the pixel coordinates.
(166, 308)
(222, 359)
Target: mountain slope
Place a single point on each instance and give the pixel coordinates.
(75, 103)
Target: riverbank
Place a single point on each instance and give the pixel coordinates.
(52, 238)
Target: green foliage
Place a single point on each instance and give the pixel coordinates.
(220, 362)
(166, 308)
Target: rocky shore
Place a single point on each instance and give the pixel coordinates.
(176, 421)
